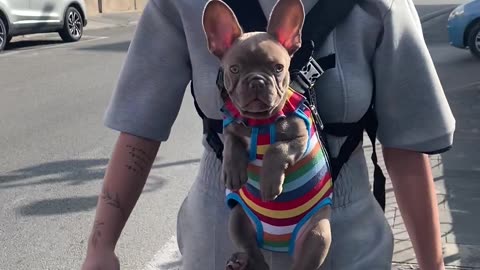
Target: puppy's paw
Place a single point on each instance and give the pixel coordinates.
(271, 183)
(238, 261)
(270, 190)
(235, 171)
(241, 261)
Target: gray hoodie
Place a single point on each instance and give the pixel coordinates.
(380, 44)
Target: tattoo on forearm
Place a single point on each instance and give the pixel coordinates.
(140, 160)
(111, 198)
(97, 233)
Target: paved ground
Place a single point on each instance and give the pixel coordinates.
(55, 150)
(457, 181)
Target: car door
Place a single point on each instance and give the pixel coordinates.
(46, 11)
(18, 10)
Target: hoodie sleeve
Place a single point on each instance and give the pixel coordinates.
(152, 82)
(412, 110)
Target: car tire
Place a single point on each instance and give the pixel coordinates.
(73, 27)
(474, 40)
(4, 39)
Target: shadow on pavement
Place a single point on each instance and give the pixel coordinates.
(71, 172)
(114, 47)
(25, 44)
(58, 206)
(75, 172)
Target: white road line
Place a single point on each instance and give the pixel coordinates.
(46, 47)
(167, 258)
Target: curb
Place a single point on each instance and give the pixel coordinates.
(435, 14)
(102, 25)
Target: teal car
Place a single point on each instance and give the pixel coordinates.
(464, 27)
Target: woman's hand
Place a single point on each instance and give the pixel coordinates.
(104, 259)
(414, 189)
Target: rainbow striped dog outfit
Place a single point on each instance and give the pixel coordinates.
(307, 187)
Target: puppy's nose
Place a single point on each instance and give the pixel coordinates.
(257, 83)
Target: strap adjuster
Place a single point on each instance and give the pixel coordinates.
(316, 117)
(309, 74)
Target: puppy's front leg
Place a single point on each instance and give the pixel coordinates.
(235, 161)
(293, 137)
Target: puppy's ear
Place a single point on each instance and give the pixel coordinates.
(286, 23)
(221, 27)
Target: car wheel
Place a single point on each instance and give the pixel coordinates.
(73, 26)
(3, 35)
(474, 40)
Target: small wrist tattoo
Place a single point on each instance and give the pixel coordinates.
(97, 233)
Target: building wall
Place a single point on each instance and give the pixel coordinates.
(92, 6)
(141, 4)
(109, 6)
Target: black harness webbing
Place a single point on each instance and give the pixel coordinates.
(304, 71)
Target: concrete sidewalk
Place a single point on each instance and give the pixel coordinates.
(457, 180)
(117, 19)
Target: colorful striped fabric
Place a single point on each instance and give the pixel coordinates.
(306, 189)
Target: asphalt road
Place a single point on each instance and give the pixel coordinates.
(55, 148)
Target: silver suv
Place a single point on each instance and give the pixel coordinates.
(22, 17)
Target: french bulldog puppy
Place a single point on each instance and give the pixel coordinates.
(277, 180)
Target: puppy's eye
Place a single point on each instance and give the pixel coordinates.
(278, 68)
(234, 69)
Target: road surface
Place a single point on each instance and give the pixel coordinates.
(55, 148)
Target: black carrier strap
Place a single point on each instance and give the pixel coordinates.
(211, 128)
(304, 71)
(354, 134)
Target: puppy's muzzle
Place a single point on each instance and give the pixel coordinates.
(257, 83)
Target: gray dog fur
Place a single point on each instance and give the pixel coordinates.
(256, 78)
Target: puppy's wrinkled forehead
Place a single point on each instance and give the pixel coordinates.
(256, 50)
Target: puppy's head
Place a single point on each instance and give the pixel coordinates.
(255, 64)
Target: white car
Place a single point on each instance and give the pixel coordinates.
(23, 17)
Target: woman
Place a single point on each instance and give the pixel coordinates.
(380, 45)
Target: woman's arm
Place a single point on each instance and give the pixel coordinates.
(145, 102)
(125, 177)
(414, 189)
